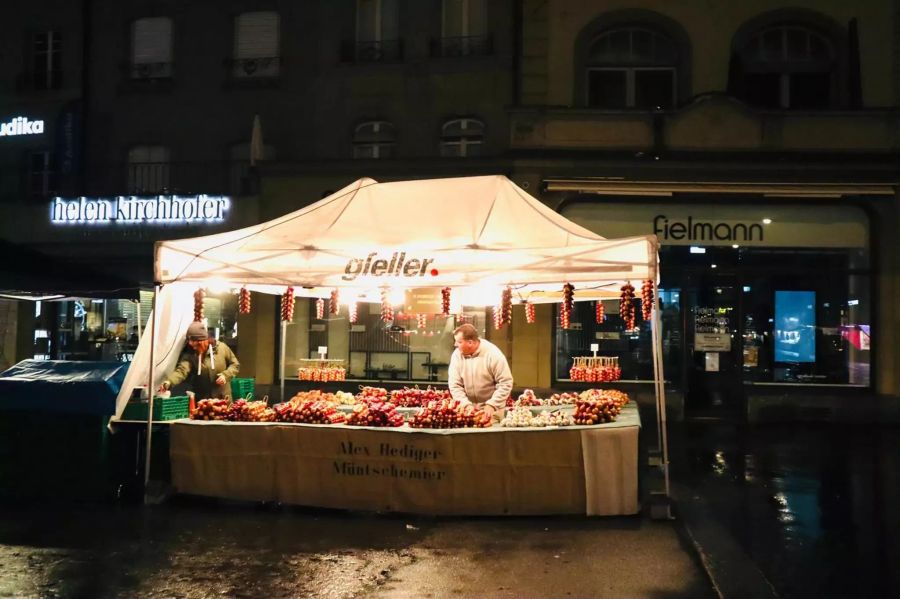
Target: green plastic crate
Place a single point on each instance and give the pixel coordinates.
(169, 408)
(243, 388)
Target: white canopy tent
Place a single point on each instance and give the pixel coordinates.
(475, 235)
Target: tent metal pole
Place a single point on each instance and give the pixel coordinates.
(150, 390)
(654, 333)
(281, 361)
(657, 322)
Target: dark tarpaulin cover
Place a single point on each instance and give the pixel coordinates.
(62, 386)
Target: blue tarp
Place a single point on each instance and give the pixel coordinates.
(62, 386)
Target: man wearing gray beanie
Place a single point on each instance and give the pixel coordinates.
(207, 364)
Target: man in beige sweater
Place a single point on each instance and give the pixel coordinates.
(478, 371)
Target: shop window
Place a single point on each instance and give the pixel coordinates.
(810, 323)
(631, 348)
(377, 31)
(632, 67)
(151, 48)
(462, 138)
(785, 67)
(372, 349)
(240, 178)
(47, 61)
(149, 169)
(374, 139)
(464, 29)
(256, 45)
(41, 175)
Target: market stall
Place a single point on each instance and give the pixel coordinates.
(493, 245)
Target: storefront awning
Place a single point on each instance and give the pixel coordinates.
(621, 186)
(26, 273)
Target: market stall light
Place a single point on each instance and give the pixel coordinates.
(767, 221)
(712, 266)
(397, 296)
(735, 246)
(218, 286)
(695, 249)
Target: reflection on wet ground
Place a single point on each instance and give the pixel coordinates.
(816, 507)
(194, 548)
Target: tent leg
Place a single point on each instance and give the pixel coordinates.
(150, 392)
(281, 361)
(660, 504)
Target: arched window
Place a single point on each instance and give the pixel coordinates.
(785, 66)
(374, 139)
(462, 137)
(631, 67)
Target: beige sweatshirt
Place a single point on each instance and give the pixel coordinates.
(483, 377)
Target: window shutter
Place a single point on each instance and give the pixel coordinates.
(152, 40)
(256, 35)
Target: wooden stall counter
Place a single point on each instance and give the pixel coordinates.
(497, 471)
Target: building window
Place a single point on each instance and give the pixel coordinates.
(256, 45)
(464, 29)
(374, 139)
(149, 169)
(377, 31)
(41, 176)
(784, 67)
(462, 137)
(632, 67)
(151, 48)
(241, 180)
(47, 65)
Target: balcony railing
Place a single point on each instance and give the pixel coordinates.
(253, 72)
(452, 47)
(150, 70)
(255, 68)
(374, 51)
(147, 76)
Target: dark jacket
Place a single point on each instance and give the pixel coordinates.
(204, 383)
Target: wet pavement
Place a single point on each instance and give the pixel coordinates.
(793, 511)
(195, 549)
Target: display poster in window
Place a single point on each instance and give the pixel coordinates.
(795, 326)
(751, 357)
(711, 361)
(712, 342)
(423, 300)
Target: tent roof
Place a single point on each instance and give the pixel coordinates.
(458, 232)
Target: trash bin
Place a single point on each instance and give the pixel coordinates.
(54, 441)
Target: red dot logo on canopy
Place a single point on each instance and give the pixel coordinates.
(434, 272)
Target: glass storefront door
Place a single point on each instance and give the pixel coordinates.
(713, 362)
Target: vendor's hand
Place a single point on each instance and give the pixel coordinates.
(165, 386)
(489, 413)
(220, 380)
